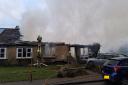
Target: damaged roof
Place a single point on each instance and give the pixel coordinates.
(12, 37)
(30, 43)
(9, 34)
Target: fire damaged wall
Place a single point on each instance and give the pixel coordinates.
(61, 52)
(15, 50)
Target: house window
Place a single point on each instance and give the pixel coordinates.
(2, 53)
(24, 52)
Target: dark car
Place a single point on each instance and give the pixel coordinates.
(115, 69)
(100, 59)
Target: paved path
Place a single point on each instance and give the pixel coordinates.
(35, 82)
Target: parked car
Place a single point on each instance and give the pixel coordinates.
(116, 69)
(100, 60)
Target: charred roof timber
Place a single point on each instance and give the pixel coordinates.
(80, 46)
(30, 43)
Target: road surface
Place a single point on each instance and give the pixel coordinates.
(98, 83)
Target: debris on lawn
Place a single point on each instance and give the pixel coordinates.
(71, 71)
(39, 64)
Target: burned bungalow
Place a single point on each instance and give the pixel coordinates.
(22, 52)
(14, 51)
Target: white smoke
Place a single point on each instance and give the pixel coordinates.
(78, 21)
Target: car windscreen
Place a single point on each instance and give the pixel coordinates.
(105, 57)
(111, 62)
(100, 57)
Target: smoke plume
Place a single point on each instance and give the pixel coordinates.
(79, 21)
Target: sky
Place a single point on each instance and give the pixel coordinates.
(70, 21)
(11, 11)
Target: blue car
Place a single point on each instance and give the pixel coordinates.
(115, 69)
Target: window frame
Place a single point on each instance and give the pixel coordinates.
(29, 52)
(5, 53)
(24, 57)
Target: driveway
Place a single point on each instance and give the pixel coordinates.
(92, 79)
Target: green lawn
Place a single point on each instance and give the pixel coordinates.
(8, 74)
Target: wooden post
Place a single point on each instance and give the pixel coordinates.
(30, 72)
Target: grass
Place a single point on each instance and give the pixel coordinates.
(9, 74)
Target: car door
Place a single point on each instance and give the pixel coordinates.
(102, 60)
(125, 79)
(124, 68)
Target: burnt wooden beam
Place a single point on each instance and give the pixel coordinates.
(77, 53)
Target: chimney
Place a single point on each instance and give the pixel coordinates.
(17, 27)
